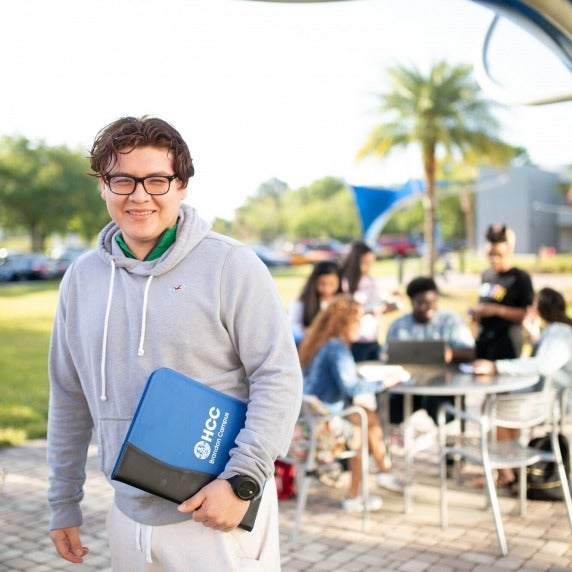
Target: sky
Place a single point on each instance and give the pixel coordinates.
(258, 90)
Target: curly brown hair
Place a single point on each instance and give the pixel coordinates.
(335, 321)
(128, 133)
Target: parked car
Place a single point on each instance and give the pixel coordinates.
(33, 266)
(391, 245)
(310, 251)
(67, 256)
(270, 257)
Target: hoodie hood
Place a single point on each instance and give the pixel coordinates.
(191, 229)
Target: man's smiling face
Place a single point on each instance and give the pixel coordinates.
(143, 217)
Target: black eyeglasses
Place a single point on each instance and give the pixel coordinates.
(153, 184)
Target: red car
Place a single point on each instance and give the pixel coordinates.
(392, 245)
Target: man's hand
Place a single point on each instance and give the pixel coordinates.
(449, 354)
(216, 506)
(484, 367)
(68, 544)
(531, 324)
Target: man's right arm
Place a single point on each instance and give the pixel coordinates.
(70, 427)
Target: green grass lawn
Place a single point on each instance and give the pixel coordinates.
(26, 315)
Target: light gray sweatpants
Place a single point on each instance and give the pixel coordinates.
(191, 547)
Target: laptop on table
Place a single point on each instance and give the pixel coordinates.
(424, 352)
(425, 361)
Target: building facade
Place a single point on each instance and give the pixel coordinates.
(530, 201)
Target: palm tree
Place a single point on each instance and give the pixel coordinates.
(442, 112)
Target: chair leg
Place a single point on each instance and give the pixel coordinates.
(442, 468)
(563, 408)
(563, 476)
(302, 497)
(522, 486)
(495, 507)
(443, 489)
(384, 421)
(364, 461)
(566, 491)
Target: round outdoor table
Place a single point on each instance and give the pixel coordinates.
(444, 381)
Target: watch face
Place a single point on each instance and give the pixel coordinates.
(246, 488)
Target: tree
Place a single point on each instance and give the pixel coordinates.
(324, 208)
(276, 212)
(261, 217)
(442, 112)
(46, 190)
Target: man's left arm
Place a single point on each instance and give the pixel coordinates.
(260, 332)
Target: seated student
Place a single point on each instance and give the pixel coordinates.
(427, 322)
(320, 287)
(551, 358)
(330, 374)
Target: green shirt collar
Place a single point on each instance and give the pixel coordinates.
(165, 241)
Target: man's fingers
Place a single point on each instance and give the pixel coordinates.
(192, 504)
(68, 544)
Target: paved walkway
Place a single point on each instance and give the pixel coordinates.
(329, 540)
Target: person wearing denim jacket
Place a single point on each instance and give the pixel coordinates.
(330, 373)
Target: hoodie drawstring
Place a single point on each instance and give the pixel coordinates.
(148, 531)
(141, 349)
(103, 395)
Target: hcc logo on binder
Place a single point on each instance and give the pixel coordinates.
(202, 448)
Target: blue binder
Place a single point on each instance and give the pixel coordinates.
(180, 438)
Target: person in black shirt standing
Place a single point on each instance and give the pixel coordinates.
(504, 296)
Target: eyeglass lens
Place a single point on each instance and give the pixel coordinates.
(153, 185)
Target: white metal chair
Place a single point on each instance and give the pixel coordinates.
(519, 411)
(308, 460)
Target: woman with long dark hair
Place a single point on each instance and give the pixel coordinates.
(551, 359)
(320, 287)
(362, 286)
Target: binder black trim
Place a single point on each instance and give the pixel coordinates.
(140, 470)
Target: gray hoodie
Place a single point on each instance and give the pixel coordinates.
(207, 308)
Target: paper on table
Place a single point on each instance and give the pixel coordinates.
(379, 372)
(466, 368)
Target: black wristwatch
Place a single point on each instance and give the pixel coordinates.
(244, 487)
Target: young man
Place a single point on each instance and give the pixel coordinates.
(427, 322)
(162, 289)
(504, 296)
